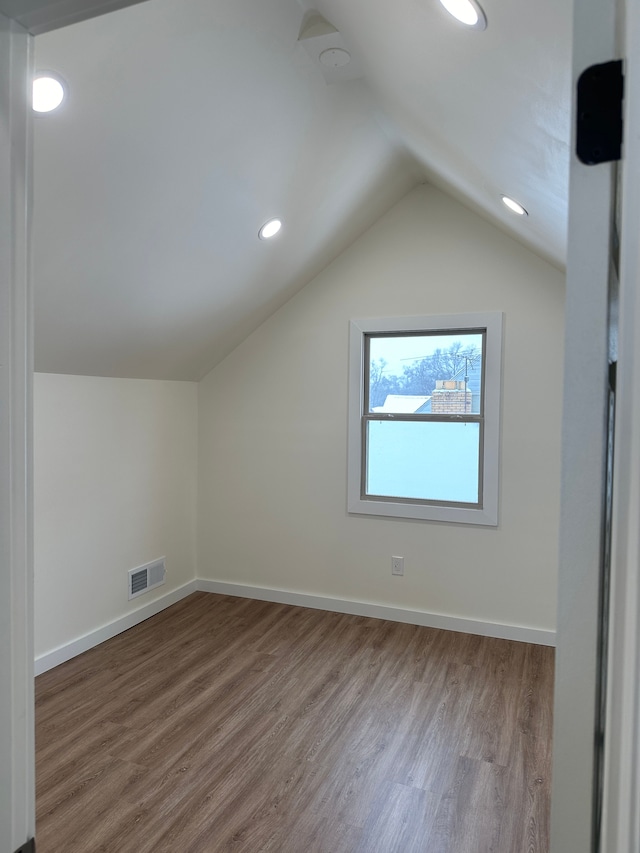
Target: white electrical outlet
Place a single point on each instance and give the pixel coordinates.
(397, 565)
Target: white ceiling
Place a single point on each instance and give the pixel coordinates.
(190, 123)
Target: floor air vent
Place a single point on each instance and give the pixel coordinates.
(146, 577)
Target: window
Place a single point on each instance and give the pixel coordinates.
(424, 417)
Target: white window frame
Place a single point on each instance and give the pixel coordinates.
(487, 512)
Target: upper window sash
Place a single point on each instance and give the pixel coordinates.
(471, 334)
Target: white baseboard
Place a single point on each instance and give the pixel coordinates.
(337, 605)
(94, 638)
(379, 611)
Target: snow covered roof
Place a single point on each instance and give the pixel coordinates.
(402, 403)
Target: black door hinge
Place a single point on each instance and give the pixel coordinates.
(599, 113)
(29, 847)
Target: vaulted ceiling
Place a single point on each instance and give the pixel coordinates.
(189, 124)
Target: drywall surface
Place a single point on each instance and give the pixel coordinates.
(273, 430)
(115, 487)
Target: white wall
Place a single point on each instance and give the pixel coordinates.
(115, 473)
(273, 419)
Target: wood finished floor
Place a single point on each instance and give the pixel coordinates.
(226, 724)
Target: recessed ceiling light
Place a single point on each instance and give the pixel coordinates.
(48, 92)
(514, 206)
(269, 229)
(468, 12)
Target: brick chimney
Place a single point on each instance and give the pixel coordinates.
(450, 398)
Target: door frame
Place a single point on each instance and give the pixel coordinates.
(583, 437)
(17, 765)
(621, 818)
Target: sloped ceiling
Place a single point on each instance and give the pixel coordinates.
(189, 124)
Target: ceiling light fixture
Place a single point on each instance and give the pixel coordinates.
(514, 206)
(468, 12)
(49, 91)
(269, 229)
(335, 57)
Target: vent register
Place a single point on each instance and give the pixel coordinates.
(146, 577)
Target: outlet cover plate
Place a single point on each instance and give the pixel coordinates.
(397, 565)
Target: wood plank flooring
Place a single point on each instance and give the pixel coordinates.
(226, 724)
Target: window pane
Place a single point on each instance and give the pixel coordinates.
(423, 460)
(425, 373)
